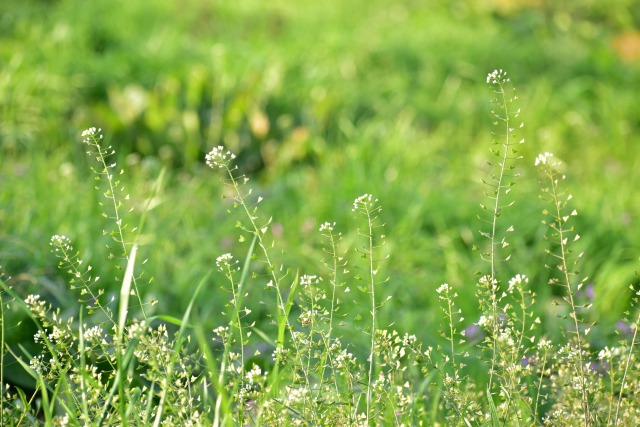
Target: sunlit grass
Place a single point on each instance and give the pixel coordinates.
(387, 101)
(292, 347)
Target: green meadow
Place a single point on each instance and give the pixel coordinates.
(321, 102)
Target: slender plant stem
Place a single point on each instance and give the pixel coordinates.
(329, 335)
(111, 194)
(494, 223)
(626, 370)
(259, 232)
(567, 280)
(373, 312)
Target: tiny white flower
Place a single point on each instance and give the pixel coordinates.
(37, 363)
(483, 321)
(607, 353)
(327, 226)
(497, 77)
(93, 333)
(224, 262)
(253, 376)
(365, 202)
(32, 299)
(544, 344)
(221, 331)
(219, 158)
(60, 242)
(487, 280)
(519, 279)
(91, 135)
(443, 288)
(543, 159)
(309, 279)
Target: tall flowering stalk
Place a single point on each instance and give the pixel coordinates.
(564, 235)
(504, 150)
(368, 207)
(114, 193)
(327, 230)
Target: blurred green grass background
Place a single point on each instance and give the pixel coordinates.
(323, 101)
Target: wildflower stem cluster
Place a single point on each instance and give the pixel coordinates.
(312, 359)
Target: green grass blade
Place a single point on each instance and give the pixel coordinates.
(222, 404)
(262, 334)
(282, 326)
(246, 268)
(125, 291)
(495, 418)
(172, 320)
(26, 405)
(282, 317)
(150, 400)
(157, 187)
(83, 384)
(123, 310)
(184, 323)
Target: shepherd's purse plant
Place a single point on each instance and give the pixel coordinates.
(116, 361)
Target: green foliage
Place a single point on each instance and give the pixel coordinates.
(385, 99)
(322, 103)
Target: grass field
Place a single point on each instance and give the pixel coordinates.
(322, 102)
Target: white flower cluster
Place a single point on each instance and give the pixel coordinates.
(224, 262)
(365, 202)
(506, 337)
(60, 242)
(136, 329)
(497, 77)
(483, 321)
(37, 363)
(91, 134)
(544, 344)
(327, 226)
(579, 383)
(488, 282)
(543, 159)
(380, 385)
(93, 334)
(37, 337)
(344, 360)
(443, 288)
(221, 331)
(61, 420)
(219, 158)
(254, 375)
(280, 354)
(32, 300)
(36, 305)
(608, 353)
(570, 352)
(310, 279)
(519, 279)
(296, 395)
(58, 335)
